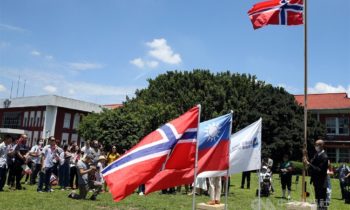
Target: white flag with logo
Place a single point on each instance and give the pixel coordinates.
(245, 150)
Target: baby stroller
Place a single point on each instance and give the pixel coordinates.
(265, 182)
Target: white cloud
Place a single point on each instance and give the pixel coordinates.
(2, 88)
(163, 52)
(321, 87)
(49, 57)
(138, 62)
(81, 66)
(71, 91)
(11, 28)
(99, 90)
(152, 64)
(35, 53)
(288, 88)
(42, 82)
(50, 89)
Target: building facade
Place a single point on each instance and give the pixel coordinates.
(44, 116)
(333, 111)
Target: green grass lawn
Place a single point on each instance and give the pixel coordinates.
(237, 199)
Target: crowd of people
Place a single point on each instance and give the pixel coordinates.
(67, 166)
(72, 167)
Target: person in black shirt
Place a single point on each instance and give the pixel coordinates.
(286, 169)
(318, 170)
(20, 159)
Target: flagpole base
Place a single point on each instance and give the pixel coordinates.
(204, 206)
(295, 205)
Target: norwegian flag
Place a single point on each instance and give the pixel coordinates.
(277, 12)
(145, 160)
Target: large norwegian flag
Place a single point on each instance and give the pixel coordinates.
(145, 160)
(213, 155)
(277, 12)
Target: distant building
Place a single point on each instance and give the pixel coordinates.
(44, 116)
(332, 110)
(113, 106)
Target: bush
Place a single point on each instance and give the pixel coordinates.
(298, 167)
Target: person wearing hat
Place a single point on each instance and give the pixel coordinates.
(98, 175)
(85, 168)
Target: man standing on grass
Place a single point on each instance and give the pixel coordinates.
(35, 154)
(50, 155)
(3, 160)
(20, 160)
(85, 168)
(318, 170)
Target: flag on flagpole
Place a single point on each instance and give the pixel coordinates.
(145, 160)
(213, 154)
(245, 151)
(277, 12)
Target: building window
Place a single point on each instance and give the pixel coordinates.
(35, 138)
(12, 119)
(25, 119)
(65, 138)
(82, 142)
(66, 123)
(331, 126)
(343, 123)
(74, 138)
(38, 118)
(31, 119)
(344, 155)
(43, 119)
(332, 154)
(337, 126)
(76, 121)
(29, 135)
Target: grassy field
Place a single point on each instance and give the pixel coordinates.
(238, 199)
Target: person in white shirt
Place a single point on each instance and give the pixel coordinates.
(50, 156)
(86, 150)
(35, 154)
(3, 160)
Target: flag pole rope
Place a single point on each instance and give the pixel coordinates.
(196, 162)
(228, 168)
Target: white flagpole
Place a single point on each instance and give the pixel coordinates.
(196, 162)
(228, 169)
(259, 189)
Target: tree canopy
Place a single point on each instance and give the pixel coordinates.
(173, 93)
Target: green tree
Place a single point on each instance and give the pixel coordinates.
(172, 93)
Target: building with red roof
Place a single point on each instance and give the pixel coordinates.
(113, 106)
(332, 110)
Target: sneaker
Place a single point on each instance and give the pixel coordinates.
(39, 191)
(288, 197)
(141, 194)
(93, 198)
(52, 190)
(70, 195)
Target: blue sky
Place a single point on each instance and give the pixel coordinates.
(101, 51)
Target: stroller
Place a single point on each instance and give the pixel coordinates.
(265, 182)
